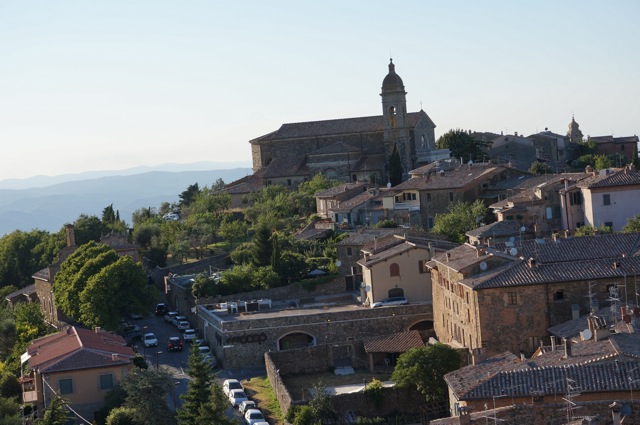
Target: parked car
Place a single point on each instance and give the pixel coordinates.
(246, 405)
(175, 344)
(236, 397)
(178, 319)
(161, 309)
(391, 301)
(231, 384)
(169, 316)
(189, 335)
(253, 416)
(149, 339)
(183, 325)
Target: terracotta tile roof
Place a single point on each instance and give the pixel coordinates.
(611, 139)
(499, 229)
(454, 179)
(78, 348)
(367, 236)
(349, 204)
(248, 184)
(311, 234)
(395, 343)
(591, 368)
(27, 290)
(339, 147)
(336, 190)
(620, 178)
(388, 253)
(369, 124)
(284, 166)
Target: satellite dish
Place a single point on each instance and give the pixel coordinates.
(512, 239)
(367, 288)
(587, 334)
(338, 263)
(483, 266)
(513, 251)
(522, 229)
(388, 185)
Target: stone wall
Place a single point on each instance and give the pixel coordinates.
(241, 343)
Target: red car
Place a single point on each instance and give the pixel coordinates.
(175, 344)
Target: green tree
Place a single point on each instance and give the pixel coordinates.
(88, 228)
(460, 218)
(424, 368)
(24, 253)
(213, 412)
(147, 394)
(304, 198)
(321, 404)
(116, 290)
(462, 145)
(203, 286)
(9, 411)
(198, 392)
(538, 167)
(395, 167)
(56, 413)
(262, 246)
(143, 215)
(96, 286)
(145, 234)
(122, 416)
(602, 162)
(633, 225)
(233, 231)
(187, 196)
(589, 230)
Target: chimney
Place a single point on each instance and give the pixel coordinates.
(98, 329)
(448, 256)
(615, 413)
(71, 236)
(553, 343)
(567, 347)
(532, 263)
(114, 357)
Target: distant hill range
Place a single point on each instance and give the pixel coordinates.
(47, 203)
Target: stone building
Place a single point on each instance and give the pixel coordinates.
(349, 149)
(497, 299)
(432, 188)
(607, 198)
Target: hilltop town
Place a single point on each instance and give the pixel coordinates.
(365, 272)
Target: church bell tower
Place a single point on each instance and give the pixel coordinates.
(394, 112)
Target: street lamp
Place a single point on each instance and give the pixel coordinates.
(157, 356)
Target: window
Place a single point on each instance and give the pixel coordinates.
(428, 197)
(549, 213)
(394, 270)
(558, 296)
(606, 199)
(513, 298)
(106, 382)
(288, 182)
(451, 196)
(354, 270)
(621, 147)
(354, 178)
(65, 386)
(509, 217)
(392, 117)
(575, 198)
(349, 251)
(422, 266)
(430, 222)
(609, 224)
(556, 211)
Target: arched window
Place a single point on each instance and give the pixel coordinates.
(331, 174)
(392, 116)
(394, 270)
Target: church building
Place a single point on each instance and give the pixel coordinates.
(349, 149)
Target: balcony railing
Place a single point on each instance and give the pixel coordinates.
(406, 206)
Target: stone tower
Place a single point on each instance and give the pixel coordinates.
(574, 133)
(394, 112)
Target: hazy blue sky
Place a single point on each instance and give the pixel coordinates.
(96, 85)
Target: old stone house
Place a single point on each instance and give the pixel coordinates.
(607, 198)
(432, 188)
(503, 298)
(330, 198)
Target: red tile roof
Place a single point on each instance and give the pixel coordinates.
(78, 348)
(395, 343)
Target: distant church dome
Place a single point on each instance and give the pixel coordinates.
(392, 82)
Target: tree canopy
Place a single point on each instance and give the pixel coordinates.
(462, 145)
(425, 368)
(395, 167)
(460, 218)
(97, 287)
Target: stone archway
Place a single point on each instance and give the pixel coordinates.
(422, 325)
(296, 339)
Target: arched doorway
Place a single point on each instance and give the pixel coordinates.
(296, 340)
(423, 325)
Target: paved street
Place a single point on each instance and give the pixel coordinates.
(176, 362)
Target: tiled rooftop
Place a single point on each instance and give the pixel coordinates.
(456, 178)
(335, 190)
(619, 178)
(395, 343)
